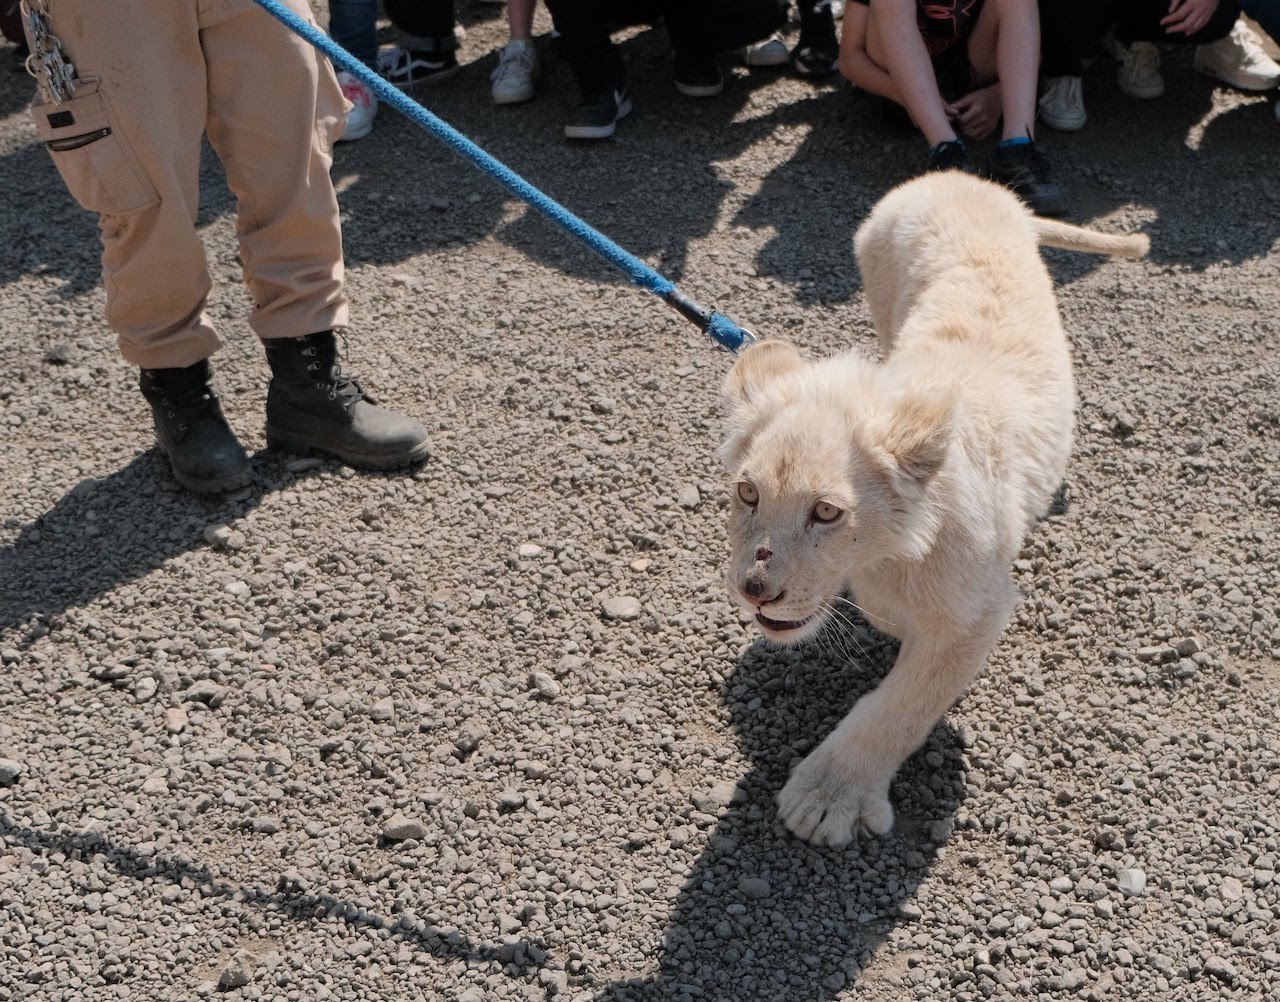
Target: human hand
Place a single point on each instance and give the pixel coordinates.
(977, 113)
(1186, 17)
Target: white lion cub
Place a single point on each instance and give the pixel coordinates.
(910, 482)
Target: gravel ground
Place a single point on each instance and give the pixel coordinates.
(492, 730)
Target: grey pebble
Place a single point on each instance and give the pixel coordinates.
(546, 686)
(621, 607)
(238, 971)
(399, 828)
(10, 771)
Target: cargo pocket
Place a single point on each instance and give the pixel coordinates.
(94, 160)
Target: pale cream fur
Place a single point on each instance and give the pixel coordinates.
(911, 482)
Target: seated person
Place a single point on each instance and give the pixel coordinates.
(1068, 30)
(1225, 47)
(962, 69)
(698, 29)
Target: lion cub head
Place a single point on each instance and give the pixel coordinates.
(831, 469)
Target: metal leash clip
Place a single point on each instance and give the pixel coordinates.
(54, 74)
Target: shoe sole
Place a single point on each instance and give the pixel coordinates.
(297, 447)
(518, 98)
(1074, 124)
(599, 131)
(700, 90)
(1142, 93)
(764, 60)
(428, 79)
(1253, 85)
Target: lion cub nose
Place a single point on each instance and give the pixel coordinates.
(756, 589)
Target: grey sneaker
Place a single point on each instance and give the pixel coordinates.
(1238, 60)
(772, 51)
(515, 73)
(1062, 104)
(1139, 67)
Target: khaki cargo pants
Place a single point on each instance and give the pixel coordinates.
(156, 76)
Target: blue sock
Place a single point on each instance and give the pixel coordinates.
(1015, 141)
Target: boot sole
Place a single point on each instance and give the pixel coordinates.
(297, 447)
(215, 485)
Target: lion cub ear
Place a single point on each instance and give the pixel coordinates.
(757, 367)
(913, 442)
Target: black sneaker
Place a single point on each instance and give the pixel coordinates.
(1023, 170)
(406, 68)
(698, 74)
(603, 106)
(950, 154)
(814, 60)
(817, 53)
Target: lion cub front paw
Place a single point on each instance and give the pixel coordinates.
(826, 800)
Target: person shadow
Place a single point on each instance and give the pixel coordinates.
(292, 896)
(763, 914)
(107, 531)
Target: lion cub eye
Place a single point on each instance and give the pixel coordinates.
(748, 493)
(824, 511)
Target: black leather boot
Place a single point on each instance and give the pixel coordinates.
(203, 450)
(313, 406)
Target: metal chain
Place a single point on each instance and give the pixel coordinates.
(54, 73)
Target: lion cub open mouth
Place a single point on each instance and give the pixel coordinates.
(783, 625)
(909, 482)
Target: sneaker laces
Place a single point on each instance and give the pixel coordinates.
(390, 59)
(1142, 59)
(1247, 43)
(1064, 91)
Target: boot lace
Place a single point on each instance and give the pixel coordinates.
(339, 385)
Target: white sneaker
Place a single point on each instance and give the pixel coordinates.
(1062, 104)
(772, 51)
(1139, 72)
(1238, 60)
(515, 73)
(364, 106)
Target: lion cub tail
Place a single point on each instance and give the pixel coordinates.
(1052, 233)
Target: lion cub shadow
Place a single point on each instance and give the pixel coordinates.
(763, 914)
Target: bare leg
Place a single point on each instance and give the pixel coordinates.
(1005, 46)
(520, 19)
(895, 47)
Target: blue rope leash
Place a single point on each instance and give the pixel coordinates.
(716, 325)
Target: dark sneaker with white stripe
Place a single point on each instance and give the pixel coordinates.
(603, 106)
(406, 68)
